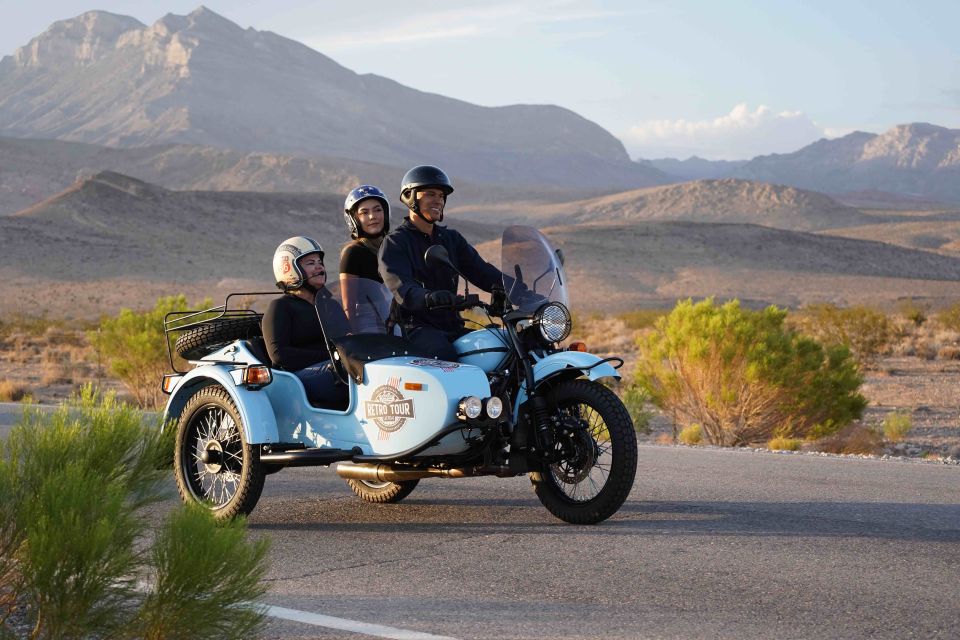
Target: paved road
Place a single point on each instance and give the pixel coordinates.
(711, 544)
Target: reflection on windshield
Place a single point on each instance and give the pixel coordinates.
(533, 274)
(367, 305)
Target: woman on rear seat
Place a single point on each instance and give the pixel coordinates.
(291, 330)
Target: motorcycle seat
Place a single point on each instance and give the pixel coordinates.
(354, 351)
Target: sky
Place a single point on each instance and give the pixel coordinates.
(727, 79)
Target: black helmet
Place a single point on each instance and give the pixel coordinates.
(355, 197)
(421, 177)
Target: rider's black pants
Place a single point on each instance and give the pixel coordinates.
(434, 342)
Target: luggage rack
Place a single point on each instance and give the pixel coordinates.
(177, 322)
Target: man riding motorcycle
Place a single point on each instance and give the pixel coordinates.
(423, 296)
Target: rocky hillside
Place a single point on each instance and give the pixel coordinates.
(728, 201)
(914, 159)
(201, 79)
(111, 241)
(33, 170)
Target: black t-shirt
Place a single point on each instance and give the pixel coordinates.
(360, 259)
(293, 334)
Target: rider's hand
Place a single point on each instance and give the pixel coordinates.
(439, 298)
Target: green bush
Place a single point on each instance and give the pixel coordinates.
(896, 426)
(867, 332)
(74, 485)
(134, 346)
(743, 376)
(635, 399)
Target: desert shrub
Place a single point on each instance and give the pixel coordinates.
(913, 311)
(691, 434)
(853, 438)
(635, 399)
(949, 318)
(642, 318)
(12, 391)
(74, 485)
(780, 443)
(867, 332)
(743, 376)
(896, 426)
(134, 347)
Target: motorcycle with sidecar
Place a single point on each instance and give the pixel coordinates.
(515, 403)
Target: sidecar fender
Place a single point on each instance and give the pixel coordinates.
(259, 421)
(573, 364)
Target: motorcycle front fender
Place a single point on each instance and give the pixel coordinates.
(573, 364)
(259, 421)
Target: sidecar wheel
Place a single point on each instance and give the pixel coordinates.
(214, 464)
(597, 446)
(382, 492)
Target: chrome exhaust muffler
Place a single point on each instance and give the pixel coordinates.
(387, 473)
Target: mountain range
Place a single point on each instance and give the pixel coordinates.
(201, 79)
(917, 160)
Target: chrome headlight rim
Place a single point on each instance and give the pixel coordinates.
(554, 322)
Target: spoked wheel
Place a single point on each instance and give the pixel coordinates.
(382, 492)
(214, 464)
(596, 454)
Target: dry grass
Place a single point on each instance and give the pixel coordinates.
(897, 425)
(781, 443)
(854, 438)
(692, 434)
(12, 391)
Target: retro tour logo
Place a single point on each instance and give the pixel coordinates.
(388, 408)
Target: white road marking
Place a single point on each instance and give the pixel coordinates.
(355, 626)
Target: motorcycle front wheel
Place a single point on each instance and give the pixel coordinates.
(213, 463)
(595, 454)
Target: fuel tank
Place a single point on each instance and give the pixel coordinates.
(485, 348)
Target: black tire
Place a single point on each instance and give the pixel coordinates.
(197, 342)
(599, 454)
(230, 484)
(382, 492)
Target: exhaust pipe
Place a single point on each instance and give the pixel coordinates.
(387, 473)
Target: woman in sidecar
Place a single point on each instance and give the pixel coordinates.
(291, 329)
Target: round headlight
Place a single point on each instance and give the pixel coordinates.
(470, 407)
(554, 322)
(494, 407)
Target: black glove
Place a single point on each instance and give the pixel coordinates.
(439, 298)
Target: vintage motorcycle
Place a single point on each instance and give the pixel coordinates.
(515, 403)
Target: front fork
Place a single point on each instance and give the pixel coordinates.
(539, 423)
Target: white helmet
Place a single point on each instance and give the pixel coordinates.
(286, 261)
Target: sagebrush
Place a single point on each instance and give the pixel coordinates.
(744, 376)
(134, 346)
(865, 331)
(74, 487)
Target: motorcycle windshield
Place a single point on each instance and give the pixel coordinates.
(366, 303)
(532, 273)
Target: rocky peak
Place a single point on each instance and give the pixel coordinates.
(75, 42)
(915, 146)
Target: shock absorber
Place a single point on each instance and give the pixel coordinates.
(542, 418)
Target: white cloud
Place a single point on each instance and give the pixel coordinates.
(740, 134)
(472, 22)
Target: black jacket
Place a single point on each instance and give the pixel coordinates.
(406, 274)
(293, 334)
